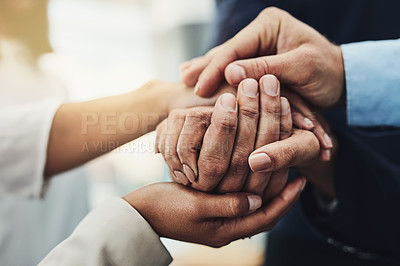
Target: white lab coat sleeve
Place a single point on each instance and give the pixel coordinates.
(112, 234)
(24, 134)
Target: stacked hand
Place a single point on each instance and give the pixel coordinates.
(276, 43)
(227, 137)
(209, 150)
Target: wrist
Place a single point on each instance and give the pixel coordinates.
(340, 76)
(133, 199)
(165, 94)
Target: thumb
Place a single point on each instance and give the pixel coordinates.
(302, 147)
(231, 205)
(286, 67)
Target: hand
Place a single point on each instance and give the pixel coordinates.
(301, 58)
(182, 213)
(222, 168)
(280, 155)
(177, 95)
(225, 143)
(305, 117)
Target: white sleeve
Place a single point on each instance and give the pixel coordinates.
(24, 134)
(112, 234)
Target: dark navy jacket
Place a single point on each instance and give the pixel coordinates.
(367, 176)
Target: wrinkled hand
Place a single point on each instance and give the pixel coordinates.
(274, 43)
(227, 135)
(220, 141)
(185, 214)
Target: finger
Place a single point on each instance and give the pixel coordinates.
(279, 178)
(302, 147)
(245, 44)
(275, 185)
(174, 178)
(160, 135)
(190, 73)
(325, 155)
(229, 205)
(190, 139)
(323, 123)
(286, 119)
(218, 142)
(284, 211)
(168, 148)
(303, 109)
(288, 67)
(268, 128)
(322, 136)
(185, 65)
(248, 104)
(302, 122)
(191, 70)
(266, 217)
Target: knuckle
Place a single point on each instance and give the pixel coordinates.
(168, 151)
(267, 12)
(227, 123)
(219, 238)
(185, 149)
(272, 108)
(216, 243)
(239, 158)
(291, 153)
(199, 114)
(234, 206)
(212, 167)
(176, 114)
(258, 67)
(249, 112)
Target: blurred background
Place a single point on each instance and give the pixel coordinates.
(107, 47)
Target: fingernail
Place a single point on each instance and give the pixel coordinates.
(325, 155)
(259, 162)
(285, 107)
(228, 102)
(236, 73)
(328, 141)
(196, 88)
(270, 85)
(308, 122)
(250, 88)
(303, 185)
(254, 202)
(189, 173)
(181, 176)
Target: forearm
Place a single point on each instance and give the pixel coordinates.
(83, 131)
(86, 130)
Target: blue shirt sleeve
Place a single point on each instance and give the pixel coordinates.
(373, 83)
